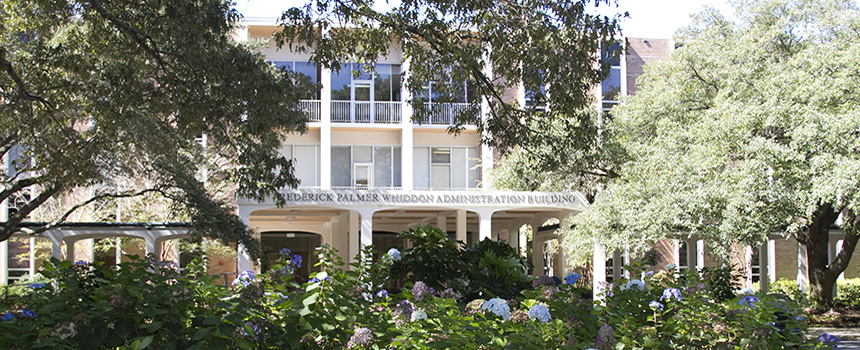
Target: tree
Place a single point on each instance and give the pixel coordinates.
(489, 47)
(749, 129)
(94, 91)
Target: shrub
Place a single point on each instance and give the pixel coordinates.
(848, 293)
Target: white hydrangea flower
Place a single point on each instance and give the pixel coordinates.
(394, 254)
(499, 307)
(746, 291)
(418, 315)
(540, 312)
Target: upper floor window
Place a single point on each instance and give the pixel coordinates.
(358, 82)
(308, 69)
(611, 87)
(305, 163)
(445, 167)
(365, 166)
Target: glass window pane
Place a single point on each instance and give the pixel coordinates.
(288, 65)
(382, 166)
(362, 175)
(395, 82)
(441, 176)
(421, 167)
(441, 155)
(308, 69)
(340, 82)
(459, 169)
(612, 85)
(612, 54)
(306, 166)
(362, 92)
(397, 181)
(362, 154)
(474, 170)
(382, 83)
(341, 166)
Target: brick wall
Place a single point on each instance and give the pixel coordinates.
(641, 51)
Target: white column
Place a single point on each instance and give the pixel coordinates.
(764, 267)
(442, 223)
(598, 273)
(485, 225)
(566, 224)
(70, 250)
(486, 151)
(118, 251)
(56, 248)
(515, 237)
(243, 259)
(839, 249)
(676, 259)
(538, 250)
(325, 129)
(700, 254)
(771, 265)
(802, 281)
(691, 254)
(4, 262)
(91, 254)
(366, 228)
(461, 226)
(354, 226)
(406, 135)
(32, 269)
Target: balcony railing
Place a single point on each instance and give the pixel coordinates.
(444, 113)
(366, 112)
(312, 107)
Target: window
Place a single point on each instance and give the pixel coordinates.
(535, 91)
(308, 69)
(365, 166)
(305, 163)
(355, 81)
(611, 87)
(445, 167)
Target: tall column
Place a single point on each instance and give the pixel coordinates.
(461, 226)
(70, 250)
(771, 263)
(91, 253)
(617, 265)
(243, 259)
(764, 267)
(598, 273)
(538, 251)
(442, 223)
(366, 228)
(354, 235)
(118, 251)
(802, 280)
(32, 267)
(56, 248)
(406, 135)
(485, 225)
(700, 254)
(325, 129)
(839, 249)
(486, 151)
(4, 262)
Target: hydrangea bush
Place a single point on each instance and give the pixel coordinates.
(143, 304)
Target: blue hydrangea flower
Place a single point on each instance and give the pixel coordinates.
(81, 263)
(404, 309)
(829, 339)
(382, 294)
(285, 252)
(394, 254)
(296, 260)
(647, 274)
(499, 307)
(670, 293)
(671, 266)
(8, 316)
(572, 278)
(655, 305)
(315, 280)
(539, 312)
(245, 278)
(634, 284)
(363, 336)
(28, 313)
(37, 285)
(748, 301)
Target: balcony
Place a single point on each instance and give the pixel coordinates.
(445, 113)
(381, 112)
(363, 112)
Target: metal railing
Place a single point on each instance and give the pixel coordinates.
(377, 112)
(444, 113)
(312, 107)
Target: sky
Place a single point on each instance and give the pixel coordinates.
(648, 18)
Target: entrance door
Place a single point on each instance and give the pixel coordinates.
(362, 101)
(363, 175)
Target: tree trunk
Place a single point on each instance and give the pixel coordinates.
(822, 272)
